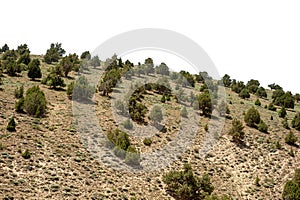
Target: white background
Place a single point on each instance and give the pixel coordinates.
(246, 39)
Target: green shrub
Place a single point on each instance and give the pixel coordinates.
(70, 89)
(119, 138)
(156, 114)
(53, 81)
(82, 90)
(35, 102)
(127, 124)
(19, 92)
(261, 92)
(272, 107)
(132, 157)
(20, 105)
(262, 126)
(185, 185)
(282, 113)
(26, 154)
(184, 112)
(119, 152)
(244, 94)
(147, 141)
(236, 131)
(163, 99)
(291, 189)
(296, 122)
(257, 102)
(11, 126)
(285, 123)
(34, 70)
(290, 138)
(252, 117)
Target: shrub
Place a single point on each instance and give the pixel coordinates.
(261, 92)
(11, 126)
(54, 53)
(163, 99)
(226, 80)
(54, 81)
(253, 85)
(132, 157)
(296, 122)
(26, 154)
(262, 126)
(34, 70)
(236, 131)
(282, 113)
(86, 55)
(127, 124)
(285, 123)
(70, 88)
(252, 117)
(272, 107)
(287, 100)
(147, 141)
(257, 102)
(20, 105)
(185, 185)
(35, 102)
(162, 69)
(156, 114)
(82, 89)
(290, 138)
(19, 92)
(205, 104)
(244, 94)
(291, 190)
(184, 112)
(119, 152)
(119, 138)
(257, 181)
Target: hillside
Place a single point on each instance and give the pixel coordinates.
(65, 162)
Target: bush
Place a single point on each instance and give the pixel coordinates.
(119, 152)
(127, 124)
(262, 127)
(162, 69)
(147, 141)
(253, 85)
(205, 104)
(35, 102)
(132, 157)
(291, 189)
(282, 113)
(252, 117)
(82, 89)
(184, 112)
(296, 122)
(261, 92)
(19, 92)
(54, 53)
(236, 131)
(53, 81)
(244, 94)
(291, 139)
(285, 123)
(70, 88)
(119, 138)
(185, 185)
(257, 102)
(34, 70)
(11, 126)
(26, 154)
(272, 107)
(156, 114)
(20, 105)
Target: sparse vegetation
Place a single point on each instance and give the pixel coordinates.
(290, 138)
(252, 117)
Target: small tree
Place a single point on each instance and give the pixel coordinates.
(262, 127)
(236, 131)
(54, 53)
(291, 189)
(86, 55)
(205, 104)
(272, 107)
(95, 61)
(257, 102)
(184, 112)
(261, 92)
(296, 122)
(282, 113)
(244, 94)
(285, 123)
(156, 114)
(11, 126)
(20, 105)
(54, 81)
(35, 102)
(162, 69)
(252, 117)
(34, 70)
(290, 138)
(19, 92)
(226, 80)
